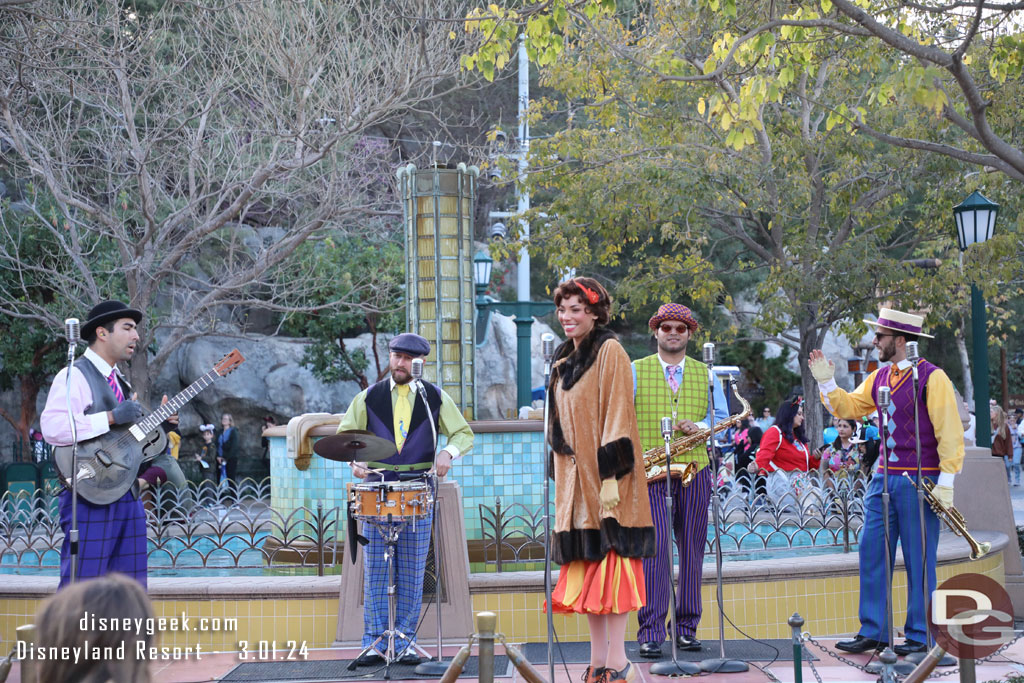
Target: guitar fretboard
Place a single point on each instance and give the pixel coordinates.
(153, 420)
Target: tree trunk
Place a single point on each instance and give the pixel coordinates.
(965, 364)
(814, 422)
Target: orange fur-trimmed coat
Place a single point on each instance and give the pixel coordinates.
(593, 436)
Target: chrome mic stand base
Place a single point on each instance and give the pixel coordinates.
(674, 668)
(918, 657)
(723, 666)
(902, 668)
(432, 667)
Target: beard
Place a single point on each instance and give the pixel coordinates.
(400, 376)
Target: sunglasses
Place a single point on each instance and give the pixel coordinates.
(678, 329)
(883, 336)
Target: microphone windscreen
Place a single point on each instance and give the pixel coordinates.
(666, 426)
(884, 398)
(912, 354)
(548, 344)
(417, 368)
(72, 330)
(709, 353)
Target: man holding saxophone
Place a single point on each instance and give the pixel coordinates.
(668, 384)
(942, 454)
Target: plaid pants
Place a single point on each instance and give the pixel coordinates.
(410, 563)
(111, 538)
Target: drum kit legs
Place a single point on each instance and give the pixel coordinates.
(390, 531)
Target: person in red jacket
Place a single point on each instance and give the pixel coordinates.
(784, 455)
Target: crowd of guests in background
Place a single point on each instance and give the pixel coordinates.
(771, 460)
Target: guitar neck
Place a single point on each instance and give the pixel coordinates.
(153, 420)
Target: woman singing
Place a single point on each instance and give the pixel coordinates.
(603, 523)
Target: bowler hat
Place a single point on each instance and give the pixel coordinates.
(410, 344)
(105, 312)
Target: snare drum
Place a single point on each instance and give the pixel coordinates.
(372, 501)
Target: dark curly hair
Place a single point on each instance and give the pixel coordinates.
(574, 287)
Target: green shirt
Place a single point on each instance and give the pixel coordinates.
(452, 424)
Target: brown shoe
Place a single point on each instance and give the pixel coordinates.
(593, 674)
(628, 674)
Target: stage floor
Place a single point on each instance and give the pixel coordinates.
(215, 667)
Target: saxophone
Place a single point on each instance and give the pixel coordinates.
(654, 459)
(952, 519)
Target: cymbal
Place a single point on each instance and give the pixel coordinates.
(354, 445)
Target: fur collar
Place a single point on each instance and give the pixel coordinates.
(571, 363)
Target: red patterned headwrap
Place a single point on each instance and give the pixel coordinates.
(592, 296)
(674, 312)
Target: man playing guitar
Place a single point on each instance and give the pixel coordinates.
(112, 537)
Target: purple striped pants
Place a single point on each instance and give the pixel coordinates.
(690, 527)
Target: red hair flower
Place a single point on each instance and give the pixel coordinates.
(592, 296)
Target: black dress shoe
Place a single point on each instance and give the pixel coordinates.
(650, 650)
(371, 658)
(409, 657)
(688, 643)
(908, 646)
(859, 644)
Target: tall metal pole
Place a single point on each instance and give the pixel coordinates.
(522, 194)
(979, 339)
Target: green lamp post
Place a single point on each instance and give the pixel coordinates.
(522, 311)
(975, 223)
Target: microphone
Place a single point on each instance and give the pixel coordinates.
(547, 343)
(912, 354)
(73, 334)
(666, 427)
(417, 369)
(709, 353)
(884, 398)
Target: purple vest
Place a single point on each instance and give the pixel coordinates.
(900, 441)
(380, 420)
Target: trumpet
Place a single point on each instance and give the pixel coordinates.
(952, 518)
(655, 462)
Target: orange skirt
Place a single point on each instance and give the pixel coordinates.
(614, 585)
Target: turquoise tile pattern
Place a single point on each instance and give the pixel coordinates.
(505, 465)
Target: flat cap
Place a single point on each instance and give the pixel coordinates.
(410, 344)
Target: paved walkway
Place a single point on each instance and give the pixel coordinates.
(213, 667)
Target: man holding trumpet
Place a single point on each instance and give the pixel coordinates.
(942, 454)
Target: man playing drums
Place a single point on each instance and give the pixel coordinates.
(394, 409)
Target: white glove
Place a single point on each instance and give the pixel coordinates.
(609, 493)
(822, 369)
(943, 494)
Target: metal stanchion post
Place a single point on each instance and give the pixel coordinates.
(485, 624)
(27, 634)
(796, 622)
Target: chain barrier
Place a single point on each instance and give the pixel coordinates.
(807, 638)
(810, 662)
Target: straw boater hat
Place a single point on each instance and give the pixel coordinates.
(900, 322)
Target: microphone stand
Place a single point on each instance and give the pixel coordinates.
(675, 667)
(72, 331)
(918, 657)
(884, 666)
(432, 667)
(719, 664)
(548, 350)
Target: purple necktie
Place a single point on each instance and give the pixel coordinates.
(670, 375)
(116, 386)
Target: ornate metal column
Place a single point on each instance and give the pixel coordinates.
(438, 206)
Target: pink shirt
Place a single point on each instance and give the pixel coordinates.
(54, 423)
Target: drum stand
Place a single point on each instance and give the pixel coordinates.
(390, 531)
